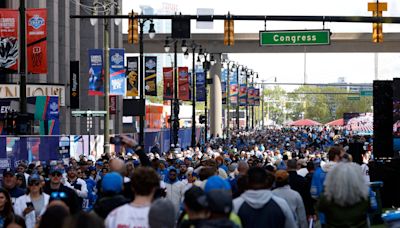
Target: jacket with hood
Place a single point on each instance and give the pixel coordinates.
(175, 190)
(109, 202)
(260, 208)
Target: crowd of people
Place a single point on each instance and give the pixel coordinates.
(277, 177)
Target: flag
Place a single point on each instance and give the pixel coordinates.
(36, 40)
(243, 95)
(233, 93)
(250, 94)
(256, 97)
(184, 91)
(168, 83)
(132, 82)
(200, 86)
(9, 44)
(95, 72)
(150, 74)
(117, 71)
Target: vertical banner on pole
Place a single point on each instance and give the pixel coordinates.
(233, 93)
(183, 78)
(113, 104)
(256, 97)
(224, 75)
(9, 48)
(74, 84)
(250, 96)
(168, 83)
(150, 74)
(117, 71)
(96, 84)
(200, 86)
(36, 40)
(243, 95)
(132, 82)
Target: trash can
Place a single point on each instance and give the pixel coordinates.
(375, 217)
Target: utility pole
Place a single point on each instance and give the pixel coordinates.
(228, 100)
(106, 82)
(22, 64)
(193, 142)
(141, 81)
(238, 103)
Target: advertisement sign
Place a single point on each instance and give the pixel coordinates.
(32, 90)
(9, 44)
(36, 40)
(168, 83)
(243, 95)
(200, 86)
(183, 78)
(96, 86)
(234, 93)
(74, 84)
(117, 71)
(256, 97)
(113, 104)
(150, 74)
(132, 82)
(250, 94)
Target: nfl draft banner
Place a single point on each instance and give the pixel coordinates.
(150, 74)
(243, 95)
(96, 87)
(132, 81)
(250, 94)
(9, 44)
(234, 93)
(184, 91)
(256, 97)
(117, 72)
(36, 40)
(168, 78)
(200, 86)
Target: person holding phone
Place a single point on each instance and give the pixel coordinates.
(33, 204)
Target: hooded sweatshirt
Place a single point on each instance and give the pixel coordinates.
(260, 208)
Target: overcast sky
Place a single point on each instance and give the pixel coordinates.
(323, 67)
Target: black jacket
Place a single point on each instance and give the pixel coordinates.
(105, 205)
(299, 184)
(71, 199)
(208, 223)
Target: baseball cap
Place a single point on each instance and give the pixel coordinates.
(33, 177)
(216, 183)
(191, 199)
(8, 171)
(112, 182)
(56, 169)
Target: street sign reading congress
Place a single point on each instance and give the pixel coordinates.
(303, 37)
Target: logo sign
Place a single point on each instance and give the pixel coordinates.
(36, 21)
(295, 38)
(150, 75)
(150, 64)
(113, 104)
(117, 72)
(117, 58)
(74, 84)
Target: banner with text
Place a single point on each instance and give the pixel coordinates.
(250, 96)
(243, 95)
(132, 82)
(256, 97)
(200, 86)
(168, 83)
(36, 40)
(150, 74)
(9, 44)
(96, 86)
(183, 77)
(117, 71)
(74, 84)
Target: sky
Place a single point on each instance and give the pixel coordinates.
(287, 67)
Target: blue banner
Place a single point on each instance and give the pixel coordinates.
(117, 72)
(224, 74)
(200, 86)
(96, 85)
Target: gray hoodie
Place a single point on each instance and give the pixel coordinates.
(257, 199)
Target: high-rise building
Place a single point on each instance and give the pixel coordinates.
(69, 40)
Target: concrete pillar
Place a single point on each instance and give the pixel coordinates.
(216, 98)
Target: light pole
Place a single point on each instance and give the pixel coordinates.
(107, 6)
(176, 99)
(252, 107)
(206, 68)
(228, 98)
(238, 103)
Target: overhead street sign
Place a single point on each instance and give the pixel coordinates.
(366, 93)
(88, 113)
(353, 98)
(295, 37)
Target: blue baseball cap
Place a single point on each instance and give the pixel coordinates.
(112, 182)
(216, 183)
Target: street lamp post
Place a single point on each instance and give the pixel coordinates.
(238, 103)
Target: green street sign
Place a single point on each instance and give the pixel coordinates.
(353, 98)
(290, 38)
(366, 93)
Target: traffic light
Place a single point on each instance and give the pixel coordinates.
(202, 119)
(377, 8)
(133, 29)
(229, 32)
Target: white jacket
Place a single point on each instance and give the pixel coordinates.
(175, 193)
(81, 193)
(20, 205)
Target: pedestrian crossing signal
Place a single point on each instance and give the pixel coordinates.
(377, 8)
(133, 29)
(229, 33)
